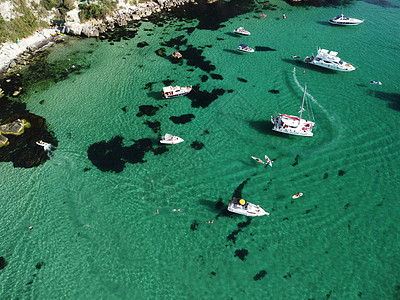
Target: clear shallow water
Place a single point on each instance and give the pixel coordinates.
(95, 233)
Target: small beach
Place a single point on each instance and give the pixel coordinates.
(117, 215)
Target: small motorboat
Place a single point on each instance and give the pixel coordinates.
(376, 82)
(46, 146)
(170, 139)
(258, 160)
(242, 207)
(262, 15)
(343, 20)
(298, 195)
(242, 31)
(269, 162)
(175, 91)
(245, 48)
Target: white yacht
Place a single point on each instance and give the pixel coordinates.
(175, 91)
(170, 139)
(329, 60)
(294, 125)
(242, 207)
(344, 21)
(245, 48)
(242, 31)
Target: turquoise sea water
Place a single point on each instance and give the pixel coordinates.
(95, 233)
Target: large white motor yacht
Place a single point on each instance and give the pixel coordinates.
(329, 60)
(343, 20)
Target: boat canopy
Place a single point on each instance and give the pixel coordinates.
(168, 89)
(243, 45)
(291, 121)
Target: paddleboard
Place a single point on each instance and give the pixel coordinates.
(297, 195)
(258, 160)
(269, 162)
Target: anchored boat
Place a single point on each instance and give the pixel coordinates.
(175, 91)
(329, 60)
(294, 125)
(344, 21)
(242, 207)
(170, 139)
(242, 31)
(245, 48)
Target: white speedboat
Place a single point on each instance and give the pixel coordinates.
(329, 60)
(242, 31)
(245, 48)
(46, 146)
(175, 91)
(344, 21)
(294, 125)
(242, 207)
(170, 139)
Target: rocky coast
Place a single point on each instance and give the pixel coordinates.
(21, 52)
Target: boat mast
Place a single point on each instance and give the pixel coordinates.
(302, 104)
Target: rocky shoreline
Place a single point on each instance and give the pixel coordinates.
(13, 55)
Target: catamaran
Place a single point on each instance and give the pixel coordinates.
(294, 125)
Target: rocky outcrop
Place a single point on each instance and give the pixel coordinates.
(120, 18)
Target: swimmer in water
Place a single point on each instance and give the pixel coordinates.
(30, 227)
(179, 209)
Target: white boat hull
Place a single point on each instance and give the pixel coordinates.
(249, 209)
(345, 68)
(242, 32)
(342, 20)
(300, 128)
(329, 60)
(171, 139)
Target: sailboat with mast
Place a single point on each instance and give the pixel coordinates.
(294, 125)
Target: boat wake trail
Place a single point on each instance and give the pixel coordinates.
(332, 119)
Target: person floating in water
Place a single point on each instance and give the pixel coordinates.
(284, 16)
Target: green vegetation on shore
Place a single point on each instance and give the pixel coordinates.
(22, 26)
(97, 10)
(26, 22)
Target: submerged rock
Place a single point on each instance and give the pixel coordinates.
(3, 262)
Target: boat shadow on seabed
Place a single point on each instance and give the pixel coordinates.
(265, 127)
